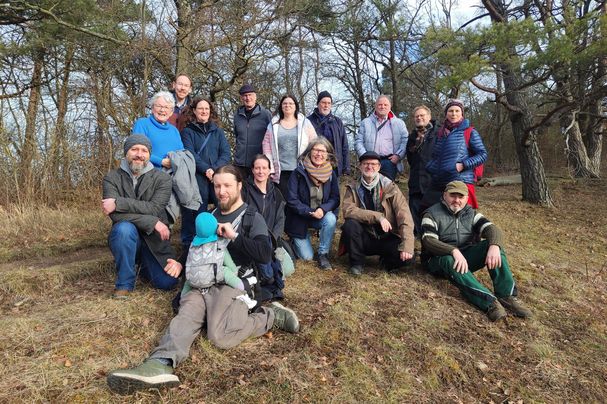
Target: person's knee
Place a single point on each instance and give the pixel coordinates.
(165, 283)
(350, 226)
(124, 231)
(329, 219)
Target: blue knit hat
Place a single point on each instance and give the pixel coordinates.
(206, 229)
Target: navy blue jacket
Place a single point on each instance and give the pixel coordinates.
(452, 149)
(420, 179)
(298, 218)
(249, 133)
(215, 154)
(332, 128)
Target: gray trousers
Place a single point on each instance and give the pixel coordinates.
(228, 322)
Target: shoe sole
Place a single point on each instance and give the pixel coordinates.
(280, 306)
(126, 383)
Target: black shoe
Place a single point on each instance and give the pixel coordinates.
(324, 263)
(356, 270)
(496, 311)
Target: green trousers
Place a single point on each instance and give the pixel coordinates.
(470, 287)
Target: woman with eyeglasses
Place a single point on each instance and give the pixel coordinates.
(312, 201)
(287, 136)
(164, 136)
(207, 142)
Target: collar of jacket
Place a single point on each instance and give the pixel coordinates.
(161, 126)
(256, 110)
(446, 207)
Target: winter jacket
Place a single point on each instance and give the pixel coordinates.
(305, 133)
(185, 188)
(142, 205)
(270, 205)
(298, 218)
(163, 136)
(394, 208)
(216, 152)
(332, 128)
(419, 179)
(366, 136)
(452, 149)
(249, 133)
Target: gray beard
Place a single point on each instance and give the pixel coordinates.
(136, 167)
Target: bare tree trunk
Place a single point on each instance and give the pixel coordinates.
(183, 60)
(594, 138)
(575, 149)
(58, 174)
(28, 147)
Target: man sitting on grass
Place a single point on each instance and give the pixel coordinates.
(227, 317)
(135, 197)
(451, 236)
(377, 219)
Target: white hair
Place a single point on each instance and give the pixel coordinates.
(168, 97)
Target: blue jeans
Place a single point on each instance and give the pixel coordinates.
(388, 168)
(129, 248)
(303, 246)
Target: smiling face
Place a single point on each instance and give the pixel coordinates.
(455, 201)
(318, 154)
(382, 106)
(454, 114)
(182, 86)
(288, 107)
(162, 110)
(137, 157)
(202, 111)
(421, 117)
(227, 190)
(261, 170)
(369, 169)
(248, 100)
(324, 106)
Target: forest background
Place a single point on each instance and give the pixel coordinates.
(76, 74)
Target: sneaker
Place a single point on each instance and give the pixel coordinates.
(496, 311)
(284, 318)
(151, 374)
(323, 262)
(515, 306)
(356, 270)
(121, 294)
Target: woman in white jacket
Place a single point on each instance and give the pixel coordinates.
(286, 138)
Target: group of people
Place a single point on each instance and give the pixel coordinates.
(283, 179)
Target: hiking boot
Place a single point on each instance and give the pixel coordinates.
(121, 294)
(515, 306)
(323, 262)
(284, 318)
(356, 270)
(151, 374)
(496, 311)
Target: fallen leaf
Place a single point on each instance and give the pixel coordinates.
(67, 363)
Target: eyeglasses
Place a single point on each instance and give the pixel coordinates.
(319, 151)
(369, 164)
(162, 107)
(288, 103)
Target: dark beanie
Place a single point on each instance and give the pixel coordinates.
(323, 94)
(137, 139)
(454, 102)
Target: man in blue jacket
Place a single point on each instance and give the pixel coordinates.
(328, 125)
(385, 134)
(250, 123)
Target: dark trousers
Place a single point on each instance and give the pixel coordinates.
(415, 201)
(360, 244)
(283, 184)
(246, 172)
(388, 168)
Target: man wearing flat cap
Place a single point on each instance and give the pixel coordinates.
(135, 197)
(250, 123)
(457, 241)
(377, 219)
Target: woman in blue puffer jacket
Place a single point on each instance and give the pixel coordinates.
(453, 159)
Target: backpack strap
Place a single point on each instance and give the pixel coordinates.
(467, 134)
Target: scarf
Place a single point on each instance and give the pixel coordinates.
(421, 133)
(448, 126)
(318, 175)
(375, 188)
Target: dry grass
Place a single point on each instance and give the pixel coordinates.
(380, 338)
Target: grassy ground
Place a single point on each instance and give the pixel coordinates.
(379, 338)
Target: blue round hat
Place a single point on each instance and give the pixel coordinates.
(206, 229)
